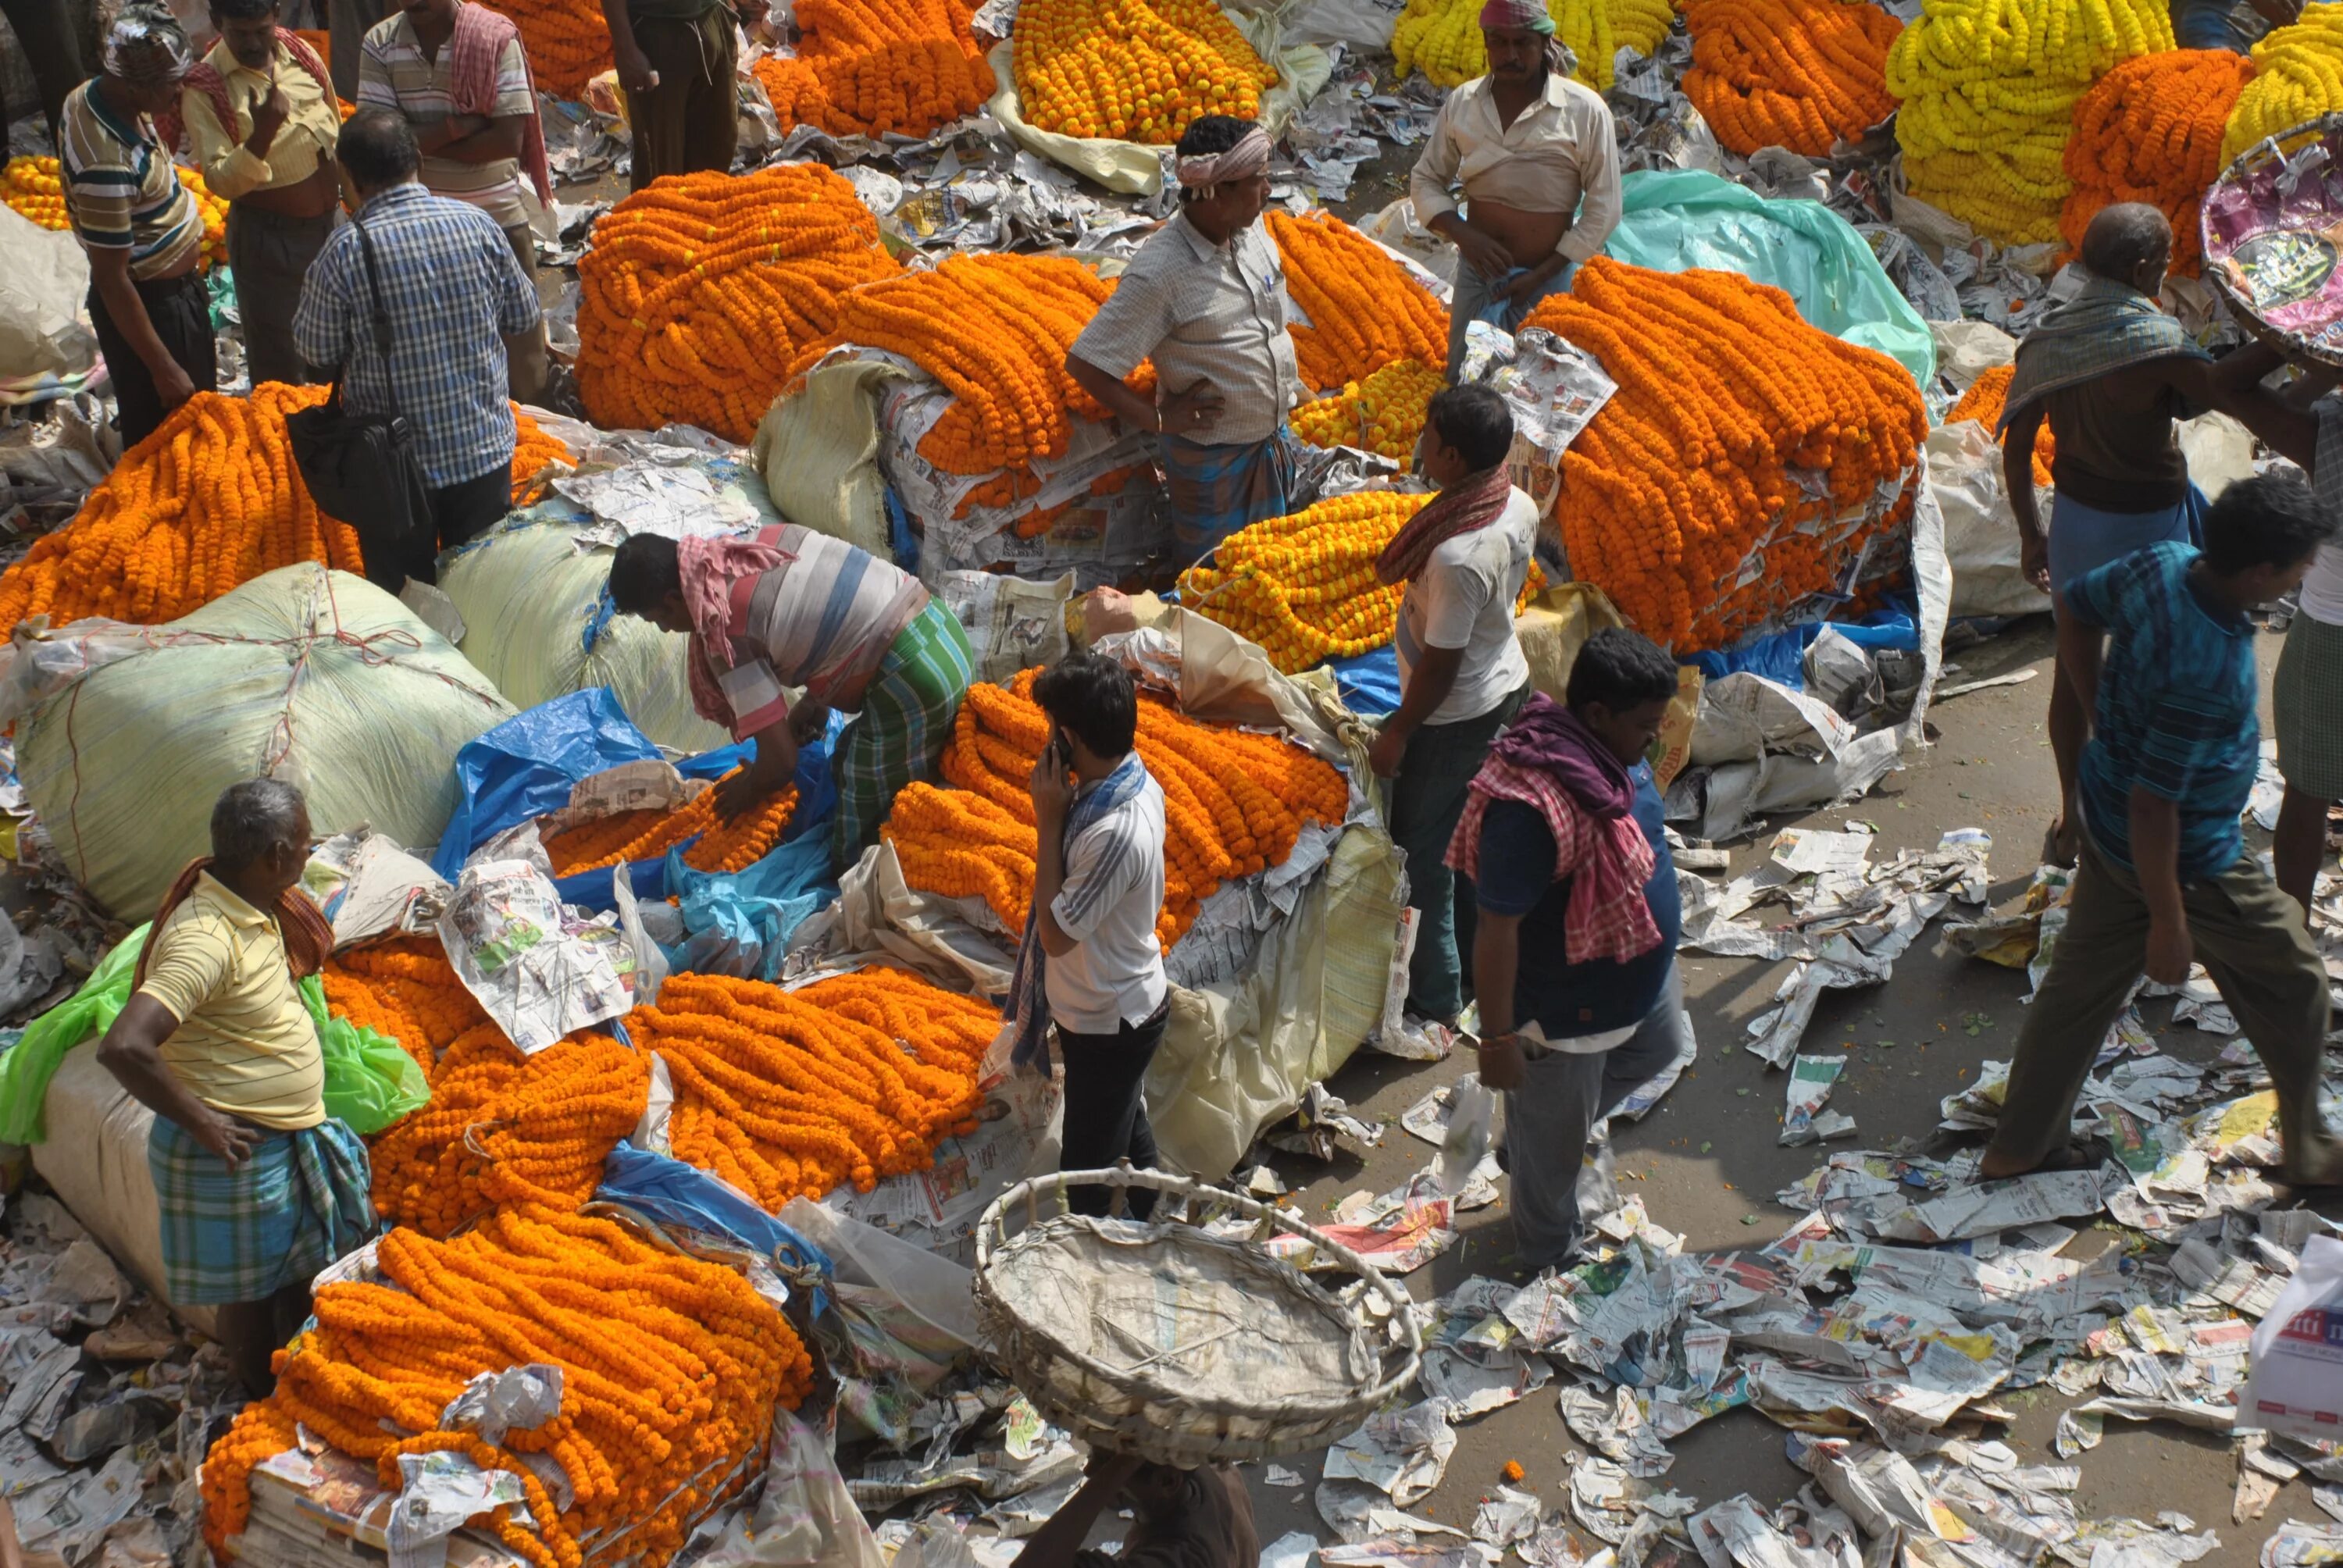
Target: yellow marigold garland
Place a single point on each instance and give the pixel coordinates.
(1798, 74)
(1364, 309)
(1381, 413)
(879, 67)
(36, 188)
(2150, 131)
(647, 835)
(2297, 77)
(1442, 38)
(698, 290)
(1983, 403)
(1137, 70)
(1690, 496)
(567, 41)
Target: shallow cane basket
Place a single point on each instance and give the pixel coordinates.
(2272, 227)
(1180, 1344)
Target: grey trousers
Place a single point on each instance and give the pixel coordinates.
(1550, 1117)
(269, 254)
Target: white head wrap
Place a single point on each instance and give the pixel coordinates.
(143, 47)
(1249, 157)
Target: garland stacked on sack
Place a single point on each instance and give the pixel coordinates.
(879, 67)
(1365, 310)
(715, 844)
(1988, 89)
(1382, 413)
(1689, 498)
(1803, 74)
(209, 500)
(567, 41)
(2297, 77)
(2150, 131)
(1983, 403)
(1304, 586)
(1442, 38)
(671, 1367)
(698, 290)
(1135, 70)
(1233, 804)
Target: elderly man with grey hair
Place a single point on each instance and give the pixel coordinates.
(259, 1188)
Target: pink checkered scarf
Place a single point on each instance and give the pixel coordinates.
(480, 38)
(1607, 862)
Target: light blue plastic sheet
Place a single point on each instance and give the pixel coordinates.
(673, 1193)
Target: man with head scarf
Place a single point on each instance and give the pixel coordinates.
(1205, 298)
(138, 223)
(1538, 159)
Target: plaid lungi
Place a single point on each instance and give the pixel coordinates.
(1216, 490)
(2308, 692)
(904, 725)
(299, 1201)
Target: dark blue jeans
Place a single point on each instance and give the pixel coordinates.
(1106, 1113)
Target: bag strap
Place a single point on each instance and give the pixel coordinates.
(378, 319)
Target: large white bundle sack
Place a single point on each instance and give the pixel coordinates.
(535, 623)
(126, 735)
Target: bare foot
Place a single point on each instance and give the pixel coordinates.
(2080, 1154)
(2320, 1164)
(2060, 846)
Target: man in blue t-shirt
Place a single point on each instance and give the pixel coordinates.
(2163, 878)
(1573, 965)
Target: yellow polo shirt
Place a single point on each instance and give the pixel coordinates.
(246, 1044)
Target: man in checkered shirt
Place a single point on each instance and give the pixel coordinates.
(453, 293)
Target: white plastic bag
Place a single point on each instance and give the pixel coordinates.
(1466, 1140)
(2295, 1384)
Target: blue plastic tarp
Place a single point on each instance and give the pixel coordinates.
(1781, 656)
(1369, 683)
(1681, 218)
(739, 922)
(525, 766)
(673, 1193)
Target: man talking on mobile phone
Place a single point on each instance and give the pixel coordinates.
(1090, 950)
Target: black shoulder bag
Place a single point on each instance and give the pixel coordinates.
(362, 467)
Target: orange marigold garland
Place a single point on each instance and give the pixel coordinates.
(700, 289)
(784, 1093)
(1137, 70)
(1233, 804)
(567, 41)
(2150, 131)
(410, 983)
(1364, 309)
(1798, 74)
(671, 1367)
(647, 835)
(209, 500)
(1714, 490)
(1983, 403)
(879, 67)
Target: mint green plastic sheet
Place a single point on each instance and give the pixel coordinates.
(370, 1082)
(1676, 219)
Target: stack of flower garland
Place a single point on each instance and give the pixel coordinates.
(2297, 77)
(1382, 413)
(1137, 70)
(1798, 74)
(700, 288)
(2150, 131)
(214, 212)
(567, 41)
(1233, 803)
(788, 1094)
(879, 67)
(1365, 310)
(1983, 402)
(715, 844)
(671, 1367)
(1989, 90)
(211, 499)
(407, 989)
(1304, 586)
(35, 189)
(1740, 467)
(1442, 38)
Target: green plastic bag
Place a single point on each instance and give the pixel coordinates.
(1680, 218)
(370, 1082)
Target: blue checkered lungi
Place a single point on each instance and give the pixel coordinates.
(299, 1201)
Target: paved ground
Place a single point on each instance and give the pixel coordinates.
(1991, 767)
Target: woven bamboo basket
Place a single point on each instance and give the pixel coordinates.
(1179, 1345)
(2272, 227)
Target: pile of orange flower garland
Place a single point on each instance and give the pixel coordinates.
(700, 289)
(1798, 74)
(1233, 803)
(1365, 309)
(1737, 468)
(717, 845)
(2150, 131)
(1140, 70)
(35, 189)
(993, 329)
(671, 1367)
(407, 989)
(210, 500)
(1983, 403)
(879, 67)
(786, 1093)
(567, 41)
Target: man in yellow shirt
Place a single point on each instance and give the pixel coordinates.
(259, 1189)
(261, 119)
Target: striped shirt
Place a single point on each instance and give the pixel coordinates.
(2176, 707)
(121, 191)
(246, 1043)
(822, 619)
(1113, 892)
(1204, 312)
(395, 74)
(454, 294)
